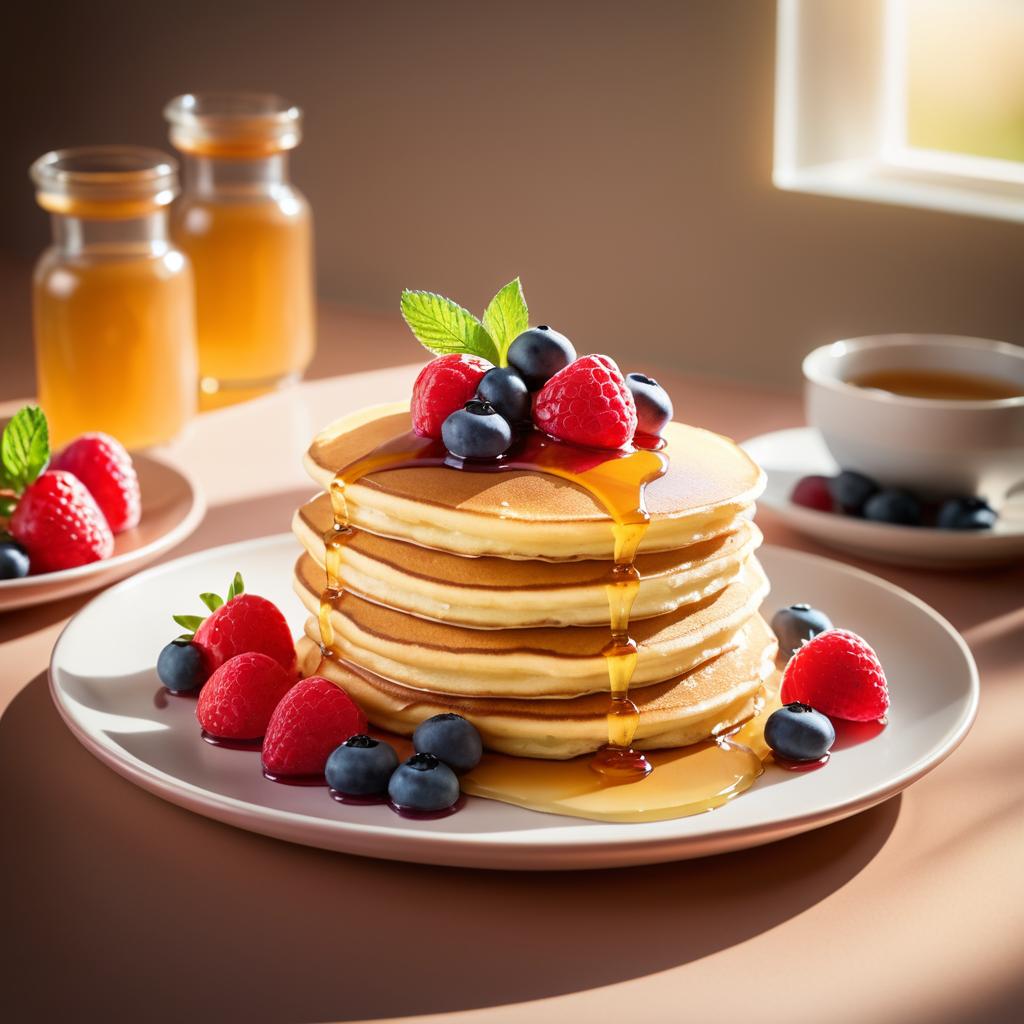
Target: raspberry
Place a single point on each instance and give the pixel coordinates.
(839, 674)
(813, 492)
(445, 384)
(313, 718)
(243, 625)
(59, 524)
(587, 403)
(102, 464)
(238, 699)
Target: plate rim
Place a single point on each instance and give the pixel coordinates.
(164, 542)
(261, 819)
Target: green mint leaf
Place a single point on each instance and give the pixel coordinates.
(189, 622)
(212, 601)
(506, 317)
(237, 587)
(443, 326)
(25, 448)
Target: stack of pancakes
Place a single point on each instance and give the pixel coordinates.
(484, 594)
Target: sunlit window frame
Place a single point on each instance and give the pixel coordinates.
(843, 63)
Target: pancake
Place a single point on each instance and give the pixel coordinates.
(491, 593)
(534, 662)
(710, 486)
(684, 710)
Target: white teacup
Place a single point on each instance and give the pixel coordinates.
(932, 446)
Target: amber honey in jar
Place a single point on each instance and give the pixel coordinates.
(248, 233)
(113, 306)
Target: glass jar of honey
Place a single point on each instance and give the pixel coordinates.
(113, 306)
(249, 235)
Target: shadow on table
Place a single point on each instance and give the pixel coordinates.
(131, 909)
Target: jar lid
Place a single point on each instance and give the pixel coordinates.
(233, 125)
(105, 182)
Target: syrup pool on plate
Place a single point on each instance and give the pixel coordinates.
(681, 781)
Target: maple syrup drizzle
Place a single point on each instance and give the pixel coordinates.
(616, 479)
(684, 781)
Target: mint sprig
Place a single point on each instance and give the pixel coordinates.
(506, 317)
(24, 449)
(191, 623)
(443, 326)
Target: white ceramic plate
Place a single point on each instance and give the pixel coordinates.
(788, 455)
(172, 507)
(109, 695)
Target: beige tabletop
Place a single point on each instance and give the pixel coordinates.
(118, 906)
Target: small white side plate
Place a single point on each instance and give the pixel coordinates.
(788, 455)
(109, 696)
(172, 507)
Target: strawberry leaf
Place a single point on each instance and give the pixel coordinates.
(506, 317)
(237, 587)
(212, 601)
(443, 326)
(189, 622)
(24, 449)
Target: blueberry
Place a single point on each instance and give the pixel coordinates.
(361, 766)
(538, 354)
(893, 506)
(850, 490)
(182, 666)
(13, 560)
(451, 738)
(653, 406)
(507, 392)
(966, 514)
(799, 733)
(797, 623)
(423, 783)
(476, 432)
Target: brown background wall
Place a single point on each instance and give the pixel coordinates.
(615, 155)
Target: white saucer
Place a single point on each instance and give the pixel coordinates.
(788, 455)
(172, 507)
(110, 697)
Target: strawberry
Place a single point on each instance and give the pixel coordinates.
(839, 674)
(313, 718)
(238, 699)
(242, 624)
(59, 524)
(587, 403)
(52, 514)
(445, 384)
(102, 464)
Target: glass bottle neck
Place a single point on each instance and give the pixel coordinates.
(207, 176)
(138, 235)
